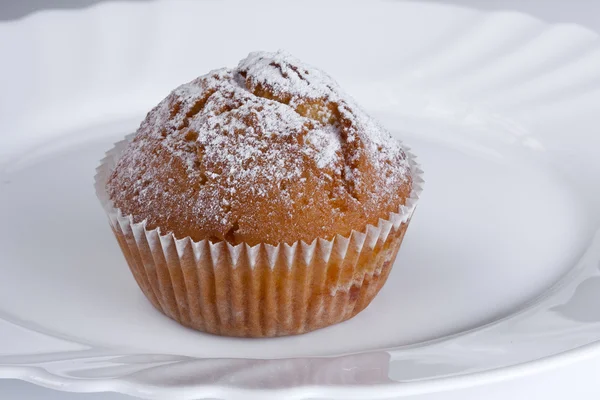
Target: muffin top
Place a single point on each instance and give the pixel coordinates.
(272, 151)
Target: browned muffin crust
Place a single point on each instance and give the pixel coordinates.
(270, 152)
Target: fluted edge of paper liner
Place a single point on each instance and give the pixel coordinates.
(261, 290)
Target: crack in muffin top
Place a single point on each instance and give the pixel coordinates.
(272, 151)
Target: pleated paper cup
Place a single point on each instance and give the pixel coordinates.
(261, 290)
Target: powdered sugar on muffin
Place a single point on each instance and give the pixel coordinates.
(271, 151)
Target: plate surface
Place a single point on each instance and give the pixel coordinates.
(499, 273)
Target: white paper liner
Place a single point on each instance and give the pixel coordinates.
(261, 290)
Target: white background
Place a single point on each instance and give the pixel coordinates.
(579, 381)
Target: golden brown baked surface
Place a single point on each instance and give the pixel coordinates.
(270, 152)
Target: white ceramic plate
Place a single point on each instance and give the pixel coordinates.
(499, 273)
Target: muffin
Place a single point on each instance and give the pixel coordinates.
(259, 201)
